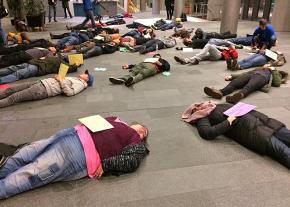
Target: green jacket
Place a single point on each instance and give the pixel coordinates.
(46, 66)
(275, 79)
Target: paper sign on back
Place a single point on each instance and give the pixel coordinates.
(271, 54)
(63, 68)
(239, 109)
(77, 59)
(96, 123)
(151, 60)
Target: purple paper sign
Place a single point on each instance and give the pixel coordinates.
(239, 109)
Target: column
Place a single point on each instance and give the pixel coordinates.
(178, 8)
(214, 8)
(156, 7)
(267, 9)
(143, 5)
(281, 16)
(230, 16)
(246, 7)
(256, 8)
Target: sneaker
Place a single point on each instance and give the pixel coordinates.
(130, 48)
(118, 81)
(55, 20)
(129, 81)
(180, 60)
(194, 62)
(235, 98)
(142, 50)
(214, 93)
(235, 65)
(229, 63)
(3, 160)
(154, 27)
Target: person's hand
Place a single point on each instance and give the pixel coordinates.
(99, 172)
(228, 77)
(158, 63)
(126, 66)
(58, 78)
(231, 119)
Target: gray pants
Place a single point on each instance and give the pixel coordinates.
(28, 91)
(209, 52)
(220, 42)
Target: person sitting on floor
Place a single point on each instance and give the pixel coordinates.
(258, 79)
(72, 154)
(141, 71)
(49, 87)
(210, 52)
(254, 130)
(255, 60)
(264, 36)
(24, 56)
(34, 67)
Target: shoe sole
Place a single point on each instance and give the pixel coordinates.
(129, 82)
(116, 81)
(177, 59)
(234, 98)
(208, 91)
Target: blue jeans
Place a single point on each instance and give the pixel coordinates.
(280, 146)
(58, 158)
(89, 16)
(246, 41)
(70, 40)
(254, 60)
(2, 36)
(133, 33)
(16, 72)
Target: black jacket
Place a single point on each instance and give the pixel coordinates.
(252, 130)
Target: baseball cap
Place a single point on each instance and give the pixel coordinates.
(91, 78)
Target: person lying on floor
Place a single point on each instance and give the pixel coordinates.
(93, 48)
(200, 34)
(49, 87)
(154, 44)
(141, 32)
(200, 43)
(167, 26)
(34, 67)
(26, 55)
(210, 52)
(264, 36)
(130, 42)
(255, 60)
(74, 38)
(42, 43)
(72, 154)
(182, 33)
(255, 130)
(259, 79)
(141, 71)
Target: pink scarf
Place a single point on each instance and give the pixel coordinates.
(197, 111)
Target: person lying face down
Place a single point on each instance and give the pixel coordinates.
(72, 154)
(49, 87)
(210, 52)
(255, 131)
(258, 79)
(141, 71)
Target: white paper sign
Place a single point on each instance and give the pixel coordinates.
(187, 49)
(271, 54)
(96, 123)
(151, 60)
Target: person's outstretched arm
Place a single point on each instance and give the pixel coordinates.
(209, 132)
(128, 161)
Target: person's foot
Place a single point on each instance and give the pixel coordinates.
(235, 65)
(118, 81)
(65, 17)
(129, 81)
(229, 62)
(71, 17)
(235, 98)
(55, 20)
(194, 61)
(130, 48)
(2, 160)
(49, 20)
(142, 50)
(51, 35)
(180, 60)
(214, 93)
(67, 27)
(154, 27)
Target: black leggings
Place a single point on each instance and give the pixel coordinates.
(248, 83)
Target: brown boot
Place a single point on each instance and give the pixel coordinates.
(217, 94)
(235, 98)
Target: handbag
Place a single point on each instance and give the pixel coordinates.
(3, 11)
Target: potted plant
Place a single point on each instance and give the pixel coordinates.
(35, 13)
(16, 11)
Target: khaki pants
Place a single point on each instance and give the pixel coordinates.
(140, 72)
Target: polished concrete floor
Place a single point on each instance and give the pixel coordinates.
(182, 169)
